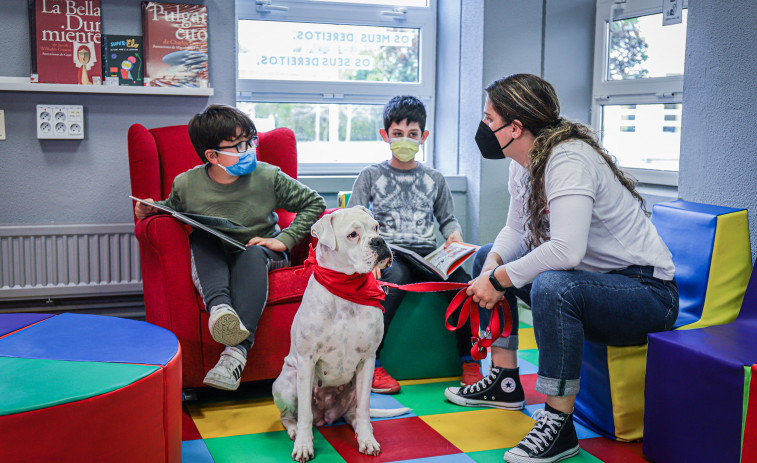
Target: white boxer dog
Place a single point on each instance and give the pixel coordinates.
(329, 370)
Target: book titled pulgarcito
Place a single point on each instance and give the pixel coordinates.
(65, 36)
(175, 44)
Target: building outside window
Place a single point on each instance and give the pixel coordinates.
(326, 69)
(638, 87)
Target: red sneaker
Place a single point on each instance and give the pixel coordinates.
(383, 383)
(471, 373)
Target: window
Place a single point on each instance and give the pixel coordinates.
(638, 87)
(325, 69)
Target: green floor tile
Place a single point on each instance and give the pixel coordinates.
(428, 399)
(525, 318)
(487, 456)
(492, 456)
(530, 355)
(266, 447)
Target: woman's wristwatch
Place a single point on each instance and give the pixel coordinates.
(494, 282)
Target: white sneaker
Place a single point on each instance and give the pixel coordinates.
(225, 326)
(228, 371)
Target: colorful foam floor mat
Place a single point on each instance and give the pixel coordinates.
(244, 426)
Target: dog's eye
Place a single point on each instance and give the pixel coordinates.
(352, 235)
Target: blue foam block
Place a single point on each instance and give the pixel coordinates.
(92, 338)
(15, 321)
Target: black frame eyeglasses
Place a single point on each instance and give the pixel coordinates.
(242, 146)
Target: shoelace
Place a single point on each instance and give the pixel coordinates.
(544, 430)
(380, 373)
(482, 383)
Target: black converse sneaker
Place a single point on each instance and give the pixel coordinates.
(553, 438)
(501, 389)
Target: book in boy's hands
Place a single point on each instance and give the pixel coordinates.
(441, 262)
(65, 41)
(175, 44)
(122, 60)
(202, 222)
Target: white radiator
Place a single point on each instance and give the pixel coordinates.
(46, 261)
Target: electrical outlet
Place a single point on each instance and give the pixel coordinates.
(2, 124)
(60, 122)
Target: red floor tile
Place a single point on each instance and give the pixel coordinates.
(613, 451)
(188, 429)
(532, 397)
(400, 439)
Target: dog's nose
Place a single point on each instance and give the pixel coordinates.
(377, 242)
(382, 250)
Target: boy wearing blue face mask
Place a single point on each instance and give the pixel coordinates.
(233, 185)
(405, 197)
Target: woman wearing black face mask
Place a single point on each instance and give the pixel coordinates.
(577, 246)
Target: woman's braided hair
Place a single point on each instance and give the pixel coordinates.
(533, 101)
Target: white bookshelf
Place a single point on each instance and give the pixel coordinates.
(22, 84)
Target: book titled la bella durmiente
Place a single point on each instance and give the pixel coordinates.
(65, 41)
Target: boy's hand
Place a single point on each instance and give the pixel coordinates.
(377, 273)
(271, 243)
(142, 210)
(454, 236)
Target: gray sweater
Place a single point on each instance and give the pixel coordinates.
(405, 202)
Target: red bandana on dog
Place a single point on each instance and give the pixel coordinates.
(358, 287)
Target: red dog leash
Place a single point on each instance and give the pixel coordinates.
(468, 308)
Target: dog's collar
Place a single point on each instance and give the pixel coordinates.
(359, 288)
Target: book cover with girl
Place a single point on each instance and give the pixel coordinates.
(65, 37)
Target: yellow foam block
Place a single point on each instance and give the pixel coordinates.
(526, 338)
(478, 430)
(236, 418)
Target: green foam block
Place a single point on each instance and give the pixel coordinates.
(32, 384)
(417, 344)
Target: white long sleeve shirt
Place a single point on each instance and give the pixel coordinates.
(595, 222)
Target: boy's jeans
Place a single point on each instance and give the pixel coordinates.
(618, 308)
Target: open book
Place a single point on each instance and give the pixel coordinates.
(202, 222)
(441, 262)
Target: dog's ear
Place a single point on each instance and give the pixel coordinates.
(323, 229)
(363, 208)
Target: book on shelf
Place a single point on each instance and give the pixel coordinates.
(65, 41)
(123, 60)
(441, 261)
(207, 223)
(175, 44)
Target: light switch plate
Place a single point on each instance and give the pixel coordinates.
(2, 124)
(61, 122)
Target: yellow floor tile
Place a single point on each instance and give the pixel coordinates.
(411, 382)
(526, 338)
(478, 430)
(235, 418)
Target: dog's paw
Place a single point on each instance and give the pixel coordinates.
(303, 450)
(292, 433)
(369, 446)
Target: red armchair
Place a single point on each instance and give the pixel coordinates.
(156, 157)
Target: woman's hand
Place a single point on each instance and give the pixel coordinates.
(454, 236)
(271, 243)
(377, 273)
(142, 210)
(483, 293)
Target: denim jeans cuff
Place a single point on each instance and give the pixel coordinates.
(509, 343)
(557, 387)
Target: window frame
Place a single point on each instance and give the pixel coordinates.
(320, 92)
(653, 90)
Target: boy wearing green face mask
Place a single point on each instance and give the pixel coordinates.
(405, 197)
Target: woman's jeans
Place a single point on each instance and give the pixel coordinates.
(619, 308)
